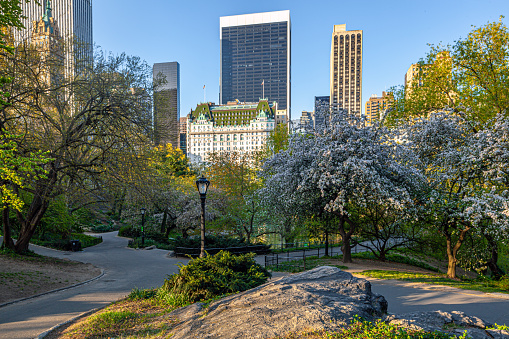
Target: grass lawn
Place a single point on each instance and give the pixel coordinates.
(296, 266)
(483, 285)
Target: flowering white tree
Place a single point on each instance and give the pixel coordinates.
(466, 177)
(340, 168)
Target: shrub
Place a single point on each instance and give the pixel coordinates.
(129, 231)
(56, 241)
(210, 240)
(212, 276)
(86, 240)
(101, 228)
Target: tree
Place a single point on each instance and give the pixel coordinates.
(234, 174)
(339, 168)
(470, 76)
(85, 122)
(10, 18)
(466, 180)
(16, 171)
(387, 228)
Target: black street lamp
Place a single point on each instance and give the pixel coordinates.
(202, 184)
(143, 227)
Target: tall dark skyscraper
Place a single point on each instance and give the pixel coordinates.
(166, 103)
(322, 108)
(256, 58)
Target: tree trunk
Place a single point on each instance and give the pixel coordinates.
(165, 217)
(7, 242)
(28, 226)
(169, 228)
(496, 271)
(326, 243)
(345, 236)
(452, 252)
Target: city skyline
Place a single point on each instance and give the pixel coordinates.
(396, 34)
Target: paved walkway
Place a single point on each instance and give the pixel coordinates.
(405, 297)
(124, 269)
(128, 268)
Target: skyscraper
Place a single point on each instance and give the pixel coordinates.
(46, 39)
(256, 58)
(376, 106)
(346, 70)
(166, 103)
(72, 17)
(322, 108)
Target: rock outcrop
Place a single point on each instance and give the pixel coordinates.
(451, 322)
(323, 298)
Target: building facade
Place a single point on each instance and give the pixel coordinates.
(183, 134)
(47, 40)
(73, 19)
(346, 70)
(307, 120)
(166, 77)
(256, 58)
(375, 106)
(322, 108)
(236, 126)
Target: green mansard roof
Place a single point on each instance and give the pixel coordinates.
(238, 114)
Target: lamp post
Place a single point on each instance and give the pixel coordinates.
(202, 184)
(143, 227)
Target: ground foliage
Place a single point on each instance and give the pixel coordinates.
(212, 276)
(361, 329)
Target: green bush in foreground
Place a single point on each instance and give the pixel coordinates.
(213, 276)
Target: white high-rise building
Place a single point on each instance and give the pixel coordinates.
(346, 70)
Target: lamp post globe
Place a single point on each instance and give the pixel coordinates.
(202, 184)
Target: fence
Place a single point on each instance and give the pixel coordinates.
(194, 252)
(297, 259)
(303, 244)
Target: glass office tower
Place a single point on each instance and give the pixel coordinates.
(255, 58)
(166, 103)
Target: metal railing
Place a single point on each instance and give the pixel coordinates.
(194, 252)
(297, 259)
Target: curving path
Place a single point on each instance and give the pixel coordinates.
(124, 269)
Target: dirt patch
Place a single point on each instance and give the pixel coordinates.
(22, 277)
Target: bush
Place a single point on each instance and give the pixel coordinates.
(211, 241)
(212, 276)
(129, 231)
(101, 228)
(86, 240)
(56, 241)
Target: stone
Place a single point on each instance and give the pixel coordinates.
(454, 322)
(322, 298)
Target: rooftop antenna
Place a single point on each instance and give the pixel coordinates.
(204, 91)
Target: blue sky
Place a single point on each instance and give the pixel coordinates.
(396, 34)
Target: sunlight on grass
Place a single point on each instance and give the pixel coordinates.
(439, 279)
